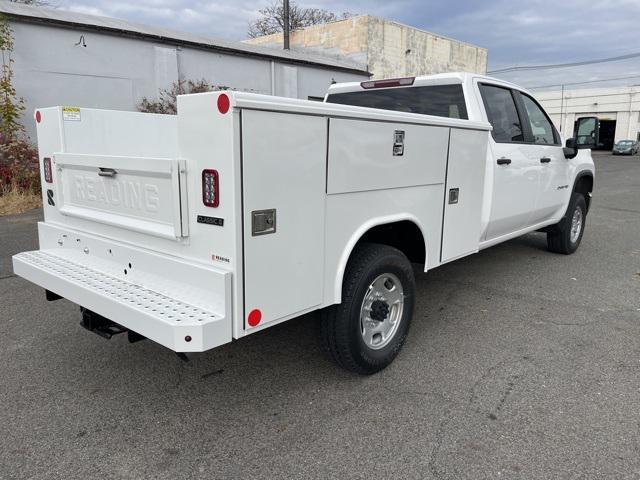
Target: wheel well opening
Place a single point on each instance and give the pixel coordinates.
(584, 185)
(404, 235)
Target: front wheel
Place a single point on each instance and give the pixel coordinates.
(365, 332)
(565, 236)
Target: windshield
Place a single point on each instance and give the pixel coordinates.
(438, 100)
(625, 143)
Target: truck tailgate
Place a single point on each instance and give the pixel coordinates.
(146, 195)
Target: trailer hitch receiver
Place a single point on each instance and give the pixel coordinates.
(99, 324)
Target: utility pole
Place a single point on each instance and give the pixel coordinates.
(561, 108)
(287, 24)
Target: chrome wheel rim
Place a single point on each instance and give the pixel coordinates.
(576, 225)
(381, 311)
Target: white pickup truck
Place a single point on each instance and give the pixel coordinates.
(245, 210)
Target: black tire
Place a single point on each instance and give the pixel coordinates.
(559, 236)
(340, 324)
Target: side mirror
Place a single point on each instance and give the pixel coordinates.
(586, 132)
(570, 149)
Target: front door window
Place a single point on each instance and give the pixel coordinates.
(541, 128)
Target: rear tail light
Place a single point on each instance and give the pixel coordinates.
(48, 176)
(210, 188)
(391, 82)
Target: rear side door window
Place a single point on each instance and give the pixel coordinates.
(542, 129)
(502, 114)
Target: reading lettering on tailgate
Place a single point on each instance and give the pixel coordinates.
(130, 194)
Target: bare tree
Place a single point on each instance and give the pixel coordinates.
(271, 19)
(167, 103)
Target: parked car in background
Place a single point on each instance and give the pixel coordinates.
(626, 147)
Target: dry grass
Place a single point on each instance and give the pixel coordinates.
(13, 201)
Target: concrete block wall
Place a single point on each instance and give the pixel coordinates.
(345, 39)
(386, 48)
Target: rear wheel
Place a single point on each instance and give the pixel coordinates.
(366, 331)
(565, 236)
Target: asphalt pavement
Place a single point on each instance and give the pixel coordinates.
(520, 364)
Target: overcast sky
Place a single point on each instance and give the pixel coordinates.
(515, 32)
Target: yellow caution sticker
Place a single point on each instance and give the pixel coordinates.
(71, 114)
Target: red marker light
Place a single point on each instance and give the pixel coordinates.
(38, 116)
(254, 318)
(223, 103)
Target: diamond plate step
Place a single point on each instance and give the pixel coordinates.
(150, 313)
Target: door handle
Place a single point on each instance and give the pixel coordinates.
(504, 161)
(107, 172)
(545, 160)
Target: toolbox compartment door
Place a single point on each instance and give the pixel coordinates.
(141, 194)
(284, 178)
(463, 193)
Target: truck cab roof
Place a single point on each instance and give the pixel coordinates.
(451, 78)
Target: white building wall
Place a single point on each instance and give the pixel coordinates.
(53, 67)
(621, 104)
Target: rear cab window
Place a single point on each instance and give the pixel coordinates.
(439, 100)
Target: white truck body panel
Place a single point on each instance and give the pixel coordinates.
(461, 224)
(127, 206)
(284, 270)
(359, 154)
